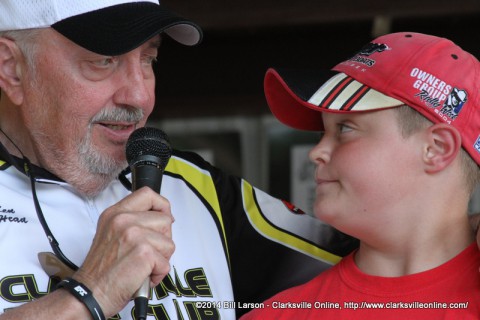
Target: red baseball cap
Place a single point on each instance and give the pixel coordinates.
(430, 74)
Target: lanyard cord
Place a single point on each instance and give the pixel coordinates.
(53, 242)
(27, 169)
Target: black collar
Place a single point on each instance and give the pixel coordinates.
(21, 164)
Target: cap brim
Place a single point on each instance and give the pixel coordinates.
(297, 98)
(121, 28)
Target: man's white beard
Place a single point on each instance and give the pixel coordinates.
(99, 166)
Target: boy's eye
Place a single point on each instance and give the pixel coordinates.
(342, 127)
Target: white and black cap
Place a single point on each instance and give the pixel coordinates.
(108, 27)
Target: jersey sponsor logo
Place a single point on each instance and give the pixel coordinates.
(7, 215)
(3, 210)
(24, 288)
(5, 219)
(194, 285)
(292, 208)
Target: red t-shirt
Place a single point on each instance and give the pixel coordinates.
(450, 291)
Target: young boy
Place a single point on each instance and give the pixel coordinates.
(395, 168)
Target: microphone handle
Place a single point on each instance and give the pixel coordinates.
(147, 175)
(141, 300)
(150, 175)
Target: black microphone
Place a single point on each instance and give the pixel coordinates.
(148, 151)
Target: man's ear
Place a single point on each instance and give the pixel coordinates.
(442, 147)
(11, 70)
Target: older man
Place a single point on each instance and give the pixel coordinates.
(76, 79)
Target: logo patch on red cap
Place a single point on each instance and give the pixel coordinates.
(367, 50)
(454, 103)
(433, 91)
(477, 144)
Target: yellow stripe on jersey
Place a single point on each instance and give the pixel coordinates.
(4, 164)
(203, 183)
(266, 228)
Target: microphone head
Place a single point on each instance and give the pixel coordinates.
(145, 144)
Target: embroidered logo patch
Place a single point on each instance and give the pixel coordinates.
(477, 144)
(454, 103)
(367, 50)
(436, 93)
(292, 208)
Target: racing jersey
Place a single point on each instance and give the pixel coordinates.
(235, 245)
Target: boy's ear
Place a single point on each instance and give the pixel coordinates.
(442, 147)
(11, 70)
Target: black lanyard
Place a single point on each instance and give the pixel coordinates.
(29, 170)
(51, 238)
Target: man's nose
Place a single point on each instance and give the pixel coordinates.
(137, 87)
